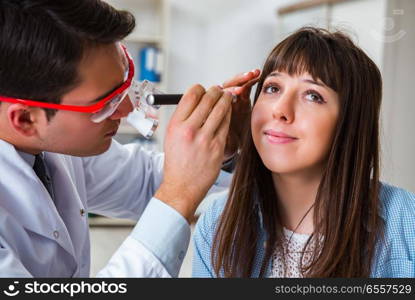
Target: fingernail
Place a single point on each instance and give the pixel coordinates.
(231, 95)
(221, 86)
(231, 89)
(246, 73)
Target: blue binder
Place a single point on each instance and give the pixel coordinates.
(150, 64)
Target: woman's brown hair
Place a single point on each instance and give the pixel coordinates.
(346, 205)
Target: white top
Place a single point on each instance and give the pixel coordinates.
(293, 244)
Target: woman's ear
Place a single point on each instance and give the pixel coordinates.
(25, 120)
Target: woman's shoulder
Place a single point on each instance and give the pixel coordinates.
(396, 257)
(212, 211)
(396, 203)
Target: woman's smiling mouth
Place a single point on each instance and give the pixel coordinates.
(278, 137)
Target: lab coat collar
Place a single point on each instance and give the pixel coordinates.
(29, 158)
(26, 198)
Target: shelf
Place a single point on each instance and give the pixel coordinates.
(152, 19)
(305, 5)
(144, 39)
(149, 19)
(110, 222)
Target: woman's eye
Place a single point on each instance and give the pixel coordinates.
(271, 89)
(314, 97)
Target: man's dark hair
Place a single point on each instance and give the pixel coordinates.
(43, 41)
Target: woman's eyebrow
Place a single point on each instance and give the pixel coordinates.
(314, 82)
(274, 74)
(319, 83)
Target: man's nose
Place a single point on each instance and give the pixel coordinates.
(123, 109)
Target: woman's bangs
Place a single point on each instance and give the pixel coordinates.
(305, 54)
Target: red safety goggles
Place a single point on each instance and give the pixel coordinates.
(115, 98)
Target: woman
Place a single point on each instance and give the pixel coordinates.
(306, 200)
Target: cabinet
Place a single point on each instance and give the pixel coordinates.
(150, 31)
(150, 18)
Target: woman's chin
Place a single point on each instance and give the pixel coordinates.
(285, 167)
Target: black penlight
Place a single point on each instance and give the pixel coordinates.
(164, 99)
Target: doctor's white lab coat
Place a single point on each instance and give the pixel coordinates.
(44, 238)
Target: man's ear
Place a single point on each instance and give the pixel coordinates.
(25, 120)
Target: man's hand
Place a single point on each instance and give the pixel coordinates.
(240, 86)
(194, 147)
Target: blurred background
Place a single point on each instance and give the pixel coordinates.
(178, 43)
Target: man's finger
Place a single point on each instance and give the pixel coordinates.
(223, 130)
(205, 106)
(218, 114)
(188, 102)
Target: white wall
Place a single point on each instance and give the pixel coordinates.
(209, 41)
(398, 113)
(364, 20)
(212, 40)
(185, 40)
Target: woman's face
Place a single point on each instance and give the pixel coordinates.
(293, 122)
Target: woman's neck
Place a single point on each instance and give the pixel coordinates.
(296, 196)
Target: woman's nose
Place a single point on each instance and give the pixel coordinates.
(283, 109)
(123, 109)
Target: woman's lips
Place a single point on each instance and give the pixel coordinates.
(278, 137)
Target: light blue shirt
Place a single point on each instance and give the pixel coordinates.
(395, 255)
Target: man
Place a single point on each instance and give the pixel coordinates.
(62, 68)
